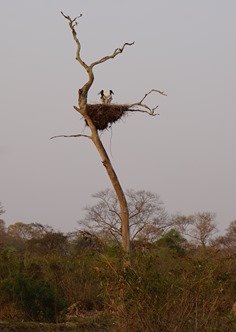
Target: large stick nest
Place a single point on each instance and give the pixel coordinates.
(104, 115)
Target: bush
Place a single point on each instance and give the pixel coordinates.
(37, 298)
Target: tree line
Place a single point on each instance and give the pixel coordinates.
(181, 276)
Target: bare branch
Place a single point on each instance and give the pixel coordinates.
(150, 111)
(112, 56)
(88, 68)
(153, 90)
(115, 212)
(66, 16)
(77, 135)
(74, 21)
(139, 230)
(72, 24)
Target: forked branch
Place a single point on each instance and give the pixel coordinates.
(147, 109)
(73, 23)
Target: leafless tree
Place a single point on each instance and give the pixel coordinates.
(1, 209)
(82, 108)
(2, 231)
(147, 215)
(228, 241)
(231, 234)
(199, 227)
(28, 231)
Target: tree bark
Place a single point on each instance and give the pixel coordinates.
(124, 212)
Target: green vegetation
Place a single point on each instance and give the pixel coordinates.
(77, 282)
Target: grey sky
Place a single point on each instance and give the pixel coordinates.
(187, 155)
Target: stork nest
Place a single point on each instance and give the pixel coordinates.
(104, 115)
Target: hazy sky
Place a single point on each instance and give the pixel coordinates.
(187, 155)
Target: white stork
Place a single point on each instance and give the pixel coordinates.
(106, 97)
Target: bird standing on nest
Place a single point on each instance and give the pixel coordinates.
(106, 97)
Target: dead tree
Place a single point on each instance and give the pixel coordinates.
(99, 117)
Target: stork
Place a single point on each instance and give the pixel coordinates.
(106, 97)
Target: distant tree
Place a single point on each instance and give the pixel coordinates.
(36, 237)
(173, 240)
(85, 240)
(199, 227)
(50, 241)
(228, 241)
(147, 215)
(90, 113)
(1, 209)
(19, 230)
(2, 225)
(28, 231)
(231, 234)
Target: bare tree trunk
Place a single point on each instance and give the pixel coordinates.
(124, 213)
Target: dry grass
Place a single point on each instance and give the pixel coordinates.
(9, 311)
(104, 115)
